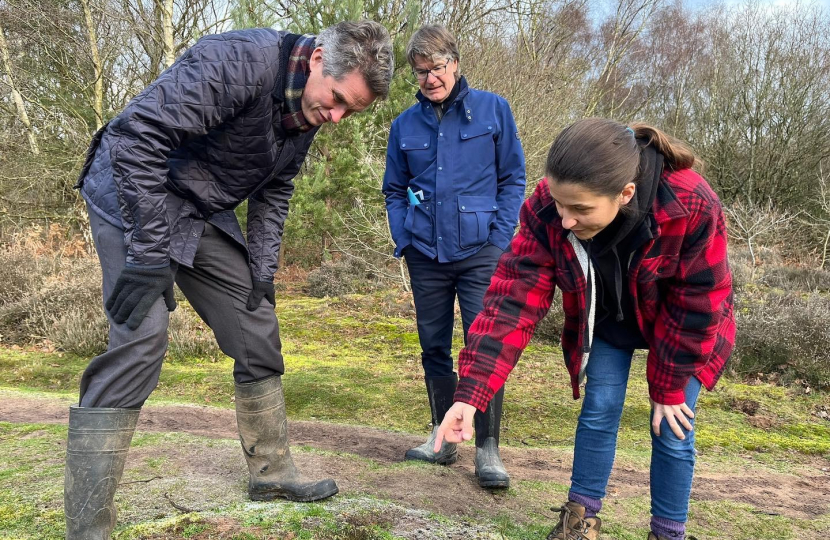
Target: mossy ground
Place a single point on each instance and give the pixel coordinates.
(351, 361)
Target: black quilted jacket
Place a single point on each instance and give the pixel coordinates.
(198, 141)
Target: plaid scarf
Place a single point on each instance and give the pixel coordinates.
(296, 76)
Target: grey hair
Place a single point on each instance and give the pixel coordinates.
(432, 42)
(364, 46)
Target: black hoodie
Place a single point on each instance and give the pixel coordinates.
(441, 108)
(611, 252)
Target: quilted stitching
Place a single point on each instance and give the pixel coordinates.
(203, 132)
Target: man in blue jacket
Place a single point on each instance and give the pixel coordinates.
(454, 183)
(231, 120)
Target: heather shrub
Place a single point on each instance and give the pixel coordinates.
(347, 275)
(550, 328)
(783, 332)
(50, 297)
(80, 331)
(190, 337)
(797, 279)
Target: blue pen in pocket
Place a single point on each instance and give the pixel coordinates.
(413, 200)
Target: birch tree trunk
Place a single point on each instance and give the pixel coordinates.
(16, 97)
(98, 88)
(167, 30)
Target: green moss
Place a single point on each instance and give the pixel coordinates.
(30, 503)
(344, 359)
(346, 362)
(31, 459)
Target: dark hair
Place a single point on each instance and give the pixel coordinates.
(432, 42)
(364, 46)
(604, 155)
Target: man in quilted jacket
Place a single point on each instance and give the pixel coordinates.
(231, 120)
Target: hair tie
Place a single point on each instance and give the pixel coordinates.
(628, 129)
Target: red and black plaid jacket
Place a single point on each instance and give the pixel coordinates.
(680, 282)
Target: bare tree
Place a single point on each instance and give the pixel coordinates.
(367, 237)
(617, 37)
(535, 59)
(760, 113)
(749, 223)
(167, 32)
(16, 97)
(820, 219)
(98, 82)
(160, 30)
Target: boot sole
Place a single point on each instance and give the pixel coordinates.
(445, 461)
(503, 484)
(279, 494)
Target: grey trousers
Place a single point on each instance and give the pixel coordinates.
(217, 287)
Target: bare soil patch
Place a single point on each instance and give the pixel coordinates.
(445, 490)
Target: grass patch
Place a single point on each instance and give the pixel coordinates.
(31, 496)
(344, 359)
(164, 467)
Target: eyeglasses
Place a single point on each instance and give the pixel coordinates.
(423, 74)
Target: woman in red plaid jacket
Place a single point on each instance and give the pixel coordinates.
(636, 241)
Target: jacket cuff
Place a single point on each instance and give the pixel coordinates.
(146, 266)
(473, 393)
(497, 238)
(151, 262)
(667, 397)
(401, 246)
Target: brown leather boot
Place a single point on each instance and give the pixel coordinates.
(573, 525)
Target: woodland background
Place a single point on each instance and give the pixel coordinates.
(747, 85)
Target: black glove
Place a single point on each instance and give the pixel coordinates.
(262, 289)
(135, 292)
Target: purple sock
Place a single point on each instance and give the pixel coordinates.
(668, 529)
(592, 505)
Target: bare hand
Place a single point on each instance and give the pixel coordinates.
(675, 415)
(457, 425)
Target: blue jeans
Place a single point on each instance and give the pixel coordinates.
(672, 459)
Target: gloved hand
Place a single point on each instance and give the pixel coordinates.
(135, 292)
(262, 289)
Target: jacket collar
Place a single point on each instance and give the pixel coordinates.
(462, 97)
(667, 205)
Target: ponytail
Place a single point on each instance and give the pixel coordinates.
(604, 155)
(678, 154)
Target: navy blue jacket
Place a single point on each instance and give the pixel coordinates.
(202, 138)
(470, 169)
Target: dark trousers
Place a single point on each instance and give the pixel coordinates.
(435, 286)
(217, 287)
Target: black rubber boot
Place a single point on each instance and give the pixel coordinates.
(440, 391)
(263, 431)
(489, 468)
(96, 450)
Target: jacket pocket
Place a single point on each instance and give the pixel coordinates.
(420, 223)
(421, 142)
(418, 152)
(474, 131)
(475, 215)
(654, 268)
(478, 143)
